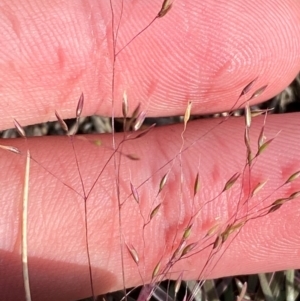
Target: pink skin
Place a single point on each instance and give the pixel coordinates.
(206, 53)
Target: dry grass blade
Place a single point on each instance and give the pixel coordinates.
(289, 285)
(242, 293)
(265, 287)
(24, 229)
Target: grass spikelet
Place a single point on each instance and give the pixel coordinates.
(162, 183)
(61, 122)
(10, 149)
(231, 181)
(19, 128)
(134, 193)
(189, 248)
(264, 146)
(187, 232)
(261, 137)
(80, 106)
(274, 208)
(178, 252)
(218, 241)
(187, 114)
(196, 184)
(280, 201)
(177, 285)
(248, 87)
(293, 177)
(166, 6)
(294, 195)
(258, 92)
(154, 211)
(139, 121)
(133, 253)
(213, 230)
(258, 188)
(156, 270)
(125, 105)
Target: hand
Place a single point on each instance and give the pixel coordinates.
(206, 53)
